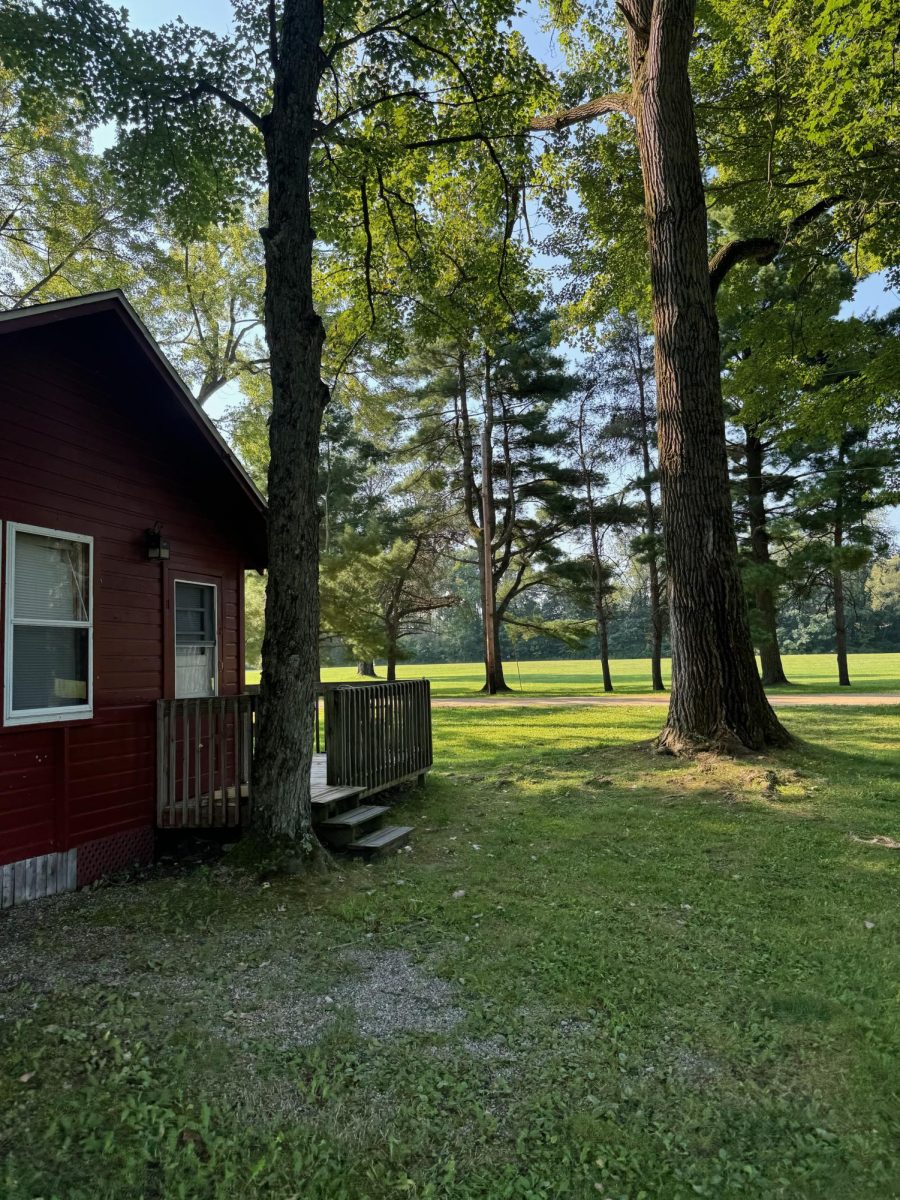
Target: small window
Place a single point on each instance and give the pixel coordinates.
(48, 625)
(195, 639)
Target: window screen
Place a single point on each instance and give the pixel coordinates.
(49, 625)
(195, 639)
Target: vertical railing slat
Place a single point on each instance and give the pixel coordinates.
(185, 762)
(195, 789)
(161, 760)
(170, 791)
(223, 751)
(236, 758)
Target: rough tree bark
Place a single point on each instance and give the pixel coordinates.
(717, 696)
(764, 593)
(295, 334)
(366, 667)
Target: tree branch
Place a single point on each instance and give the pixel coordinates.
(619, 102)
(364, 197)
(272, 17)
(408, 94)
(763, 249)
(207, 88)
(389, 24)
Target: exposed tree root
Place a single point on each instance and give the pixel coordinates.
(724, 741)
(280, 856)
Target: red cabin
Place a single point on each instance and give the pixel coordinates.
(126, 526)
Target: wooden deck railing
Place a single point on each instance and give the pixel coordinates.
(377, 734)
(204, 751)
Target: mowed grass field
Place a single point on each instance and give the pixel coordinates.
(596, 973)
(631, 676)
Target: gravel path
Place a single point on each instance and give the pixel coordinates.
(862, 699)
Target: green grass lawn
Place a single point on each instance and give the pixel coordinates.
(631, 676)
(598, 973)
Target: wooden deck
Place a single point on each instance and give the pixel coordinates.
(376, 736)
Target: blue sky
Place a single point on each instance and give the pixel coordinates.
(217, 15)
(872, 293)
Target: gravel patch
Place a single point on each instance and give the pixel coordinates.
(392, 995)
(241, 985)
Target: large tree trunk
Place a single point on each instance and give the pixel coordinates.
(392, 652)
(764, 593)
(281, 771)
(366, 667)
(717, 697)
(474, 502)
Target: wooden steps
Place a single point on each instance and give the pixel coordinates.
(343, 823)
(329, 799)
(392, 837)
(351, 825)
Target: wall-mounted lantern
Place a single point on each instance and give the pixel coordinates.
(157, 546)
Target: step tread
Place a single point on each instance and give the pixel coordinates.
(354, 816)
(333, 794)
(381, 839)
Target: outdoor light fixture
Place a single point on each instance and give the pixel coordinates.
(157, 546)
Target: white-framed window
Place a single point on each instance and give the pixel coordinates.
(196, 640)
(49, 643)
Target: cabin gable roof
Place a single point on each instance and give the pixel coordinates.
(114, 307)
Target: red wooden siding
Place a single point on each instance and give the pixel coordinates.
(91, 443)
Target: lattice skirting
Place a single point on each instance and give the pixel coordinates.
(115, 853)
(65, 870)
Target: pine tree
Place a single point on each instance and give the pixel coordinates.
(488, 421)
